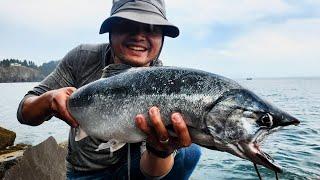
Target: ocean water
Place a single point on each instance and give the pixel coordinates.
(295, 148)
(10, 97)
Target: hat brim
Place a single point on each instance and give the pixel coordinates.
(141, 17)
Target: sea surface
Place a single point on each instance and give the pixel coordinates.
(295, 148)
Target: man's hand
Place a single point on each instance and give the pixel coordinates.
(58, 104)
(159, 139)
(37, 108)
(157, 134)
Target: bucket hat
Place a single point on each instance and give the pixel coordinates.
(142, 11)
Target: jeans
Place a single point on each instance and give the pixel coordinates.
(184, 163)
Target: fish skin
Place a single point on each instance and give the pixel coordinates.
(220, 114)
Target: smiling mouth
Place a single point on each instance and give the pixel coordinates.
(136, 48)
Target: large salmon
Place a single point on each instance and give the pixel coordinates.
(220, 114)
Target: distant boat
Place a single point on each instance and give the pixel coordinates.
(249, 79)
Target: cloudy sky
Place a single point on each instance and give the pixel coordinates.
(235, 38)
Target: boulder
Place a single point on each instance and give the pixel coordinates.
(43, 161)
(7, 138)
(14, 148)
(10, 156)
(8, 160)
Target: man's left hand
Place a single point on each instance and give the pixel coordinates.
(157, 134)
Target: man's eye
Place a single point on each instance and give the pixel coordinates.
(154, 29)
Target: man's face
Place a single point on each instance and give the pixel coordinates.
(135, 43)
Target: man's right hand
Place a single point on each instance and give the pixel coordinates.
(37, 108)
(58, 105)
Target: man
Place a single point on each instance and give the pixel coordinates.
(136, 35)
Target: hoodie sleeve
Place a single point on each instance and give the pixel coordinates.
(62, 76)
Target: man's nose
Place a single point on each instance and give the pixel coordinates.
(139, 33)
(141, 29)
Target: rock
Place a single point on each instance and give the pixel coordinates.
(10, 157)
(19, 74)
(64, 145)
(43, 161)
(7, 138)
(8, 160)
(15, 148)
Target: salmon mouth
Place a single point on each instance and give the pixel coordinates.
(267, 161)
(255, 154)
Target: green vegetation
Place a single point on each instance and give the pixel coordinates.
(9, 62)
(14, 70)
(45, 69)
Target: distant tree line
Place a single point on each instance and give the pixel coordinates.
(45, 69)
(9, 62)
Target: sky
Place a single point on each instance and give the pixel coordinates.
(234, 38)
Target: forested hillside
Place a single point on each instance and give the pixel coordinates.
(14, 70)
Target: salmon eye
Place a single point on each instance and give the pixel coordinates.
(266, 120)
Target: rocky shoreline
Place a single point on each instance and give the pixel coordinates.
(21, 161)
(19, 74)
(7, 138)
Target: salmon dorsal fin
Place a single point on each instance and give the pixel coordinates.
(114, 69)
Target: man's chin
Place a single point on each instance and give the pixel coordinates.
(135, 61)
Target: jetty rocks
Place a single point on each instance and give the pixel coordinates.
(7, 138)
(43, 161)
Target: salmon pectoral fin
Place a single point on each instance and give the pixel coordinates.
(80, 134)
(113, 145)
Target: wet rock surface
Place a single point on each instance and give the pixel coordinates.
(7, 138)
(14, 148)
(8, 160)
(43, 161)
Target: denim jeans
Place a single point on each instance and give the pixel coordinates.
(184, 163)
